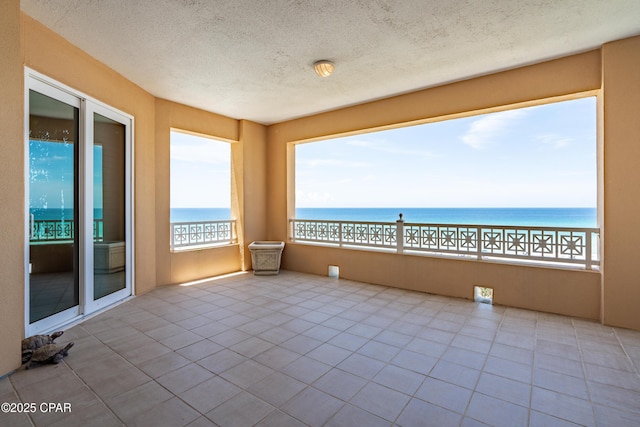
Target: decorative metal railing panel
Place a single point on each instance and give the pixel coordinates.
(559, 245)
(376, 234)
(43, 230)
(549, 244)
(202, 233)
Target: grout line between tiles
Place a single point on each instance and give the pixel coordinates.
(584, 371)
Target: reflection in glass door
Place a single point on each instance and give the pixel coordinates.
(53, 207)
(78, 206)
(109, 208)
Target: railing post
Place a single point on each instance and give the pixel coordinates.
(588, 249)
(400, 235)
(479, 243)
(294, 227)
(340, 234)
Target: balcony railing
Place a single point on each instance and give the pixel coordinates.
(556, 245)
(202, 233)
(44, 230)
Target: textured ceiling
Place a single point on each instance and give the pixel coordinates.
(252, 59)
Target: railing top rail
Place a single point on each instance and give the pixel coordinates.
(342, 221)
(417, 224)
(217, 221)
(510, 227)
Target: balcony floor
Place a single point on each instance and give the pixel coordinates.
(297, 349)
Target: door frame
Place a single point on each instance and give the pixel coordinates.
(87, 106)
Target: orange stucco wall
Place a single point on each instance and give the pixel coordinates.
(575, 293)
(621, 143)
(12, 243)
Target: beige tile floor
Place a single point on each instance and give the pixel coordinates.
(296, 349)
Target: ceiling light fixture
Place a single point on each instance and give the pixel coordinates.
(324, 68)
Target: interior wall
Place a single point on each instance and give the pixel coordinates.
(12, 217)
(249, 158)
(621, 110)
(187, 265)
(553, 290)
(570, 292)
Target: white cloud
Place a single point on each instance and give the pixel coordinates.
(390, 147)
(555, 141)
(334, 163)
(312, 198)
(360, 143)
(484, 130)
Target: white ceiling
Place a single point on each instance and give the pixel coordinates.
(252, 59)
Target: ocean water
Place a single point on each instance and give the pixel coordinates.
(177, 215)
(553, 217)
(55, 214)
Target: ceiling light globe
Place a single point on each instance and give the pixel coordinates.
(324, 68)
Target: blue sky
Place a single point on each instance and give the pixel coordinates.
(542, 156)
(200, 172)
(51, 175)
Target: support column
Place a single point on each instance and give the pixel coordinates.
(249, 182)
(621, 175)
(12, 175)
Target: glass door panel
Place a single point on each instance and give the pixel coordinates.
(109, 206)
(53, 277)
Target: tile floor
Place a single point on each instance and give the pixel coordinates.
(296, 349)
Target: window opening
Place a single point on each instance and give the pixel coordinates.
(532, 167)
(200, 206)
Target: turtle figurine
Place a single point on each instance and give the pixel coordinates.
(49, 353)
(30, 344)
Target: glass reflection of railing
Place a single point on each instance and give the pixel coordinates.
(554, 245)
(45, 230)
(203, 233)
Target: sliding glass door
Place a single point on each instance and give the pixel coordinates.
(53, 207)
(78, 171)
(110, 270)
